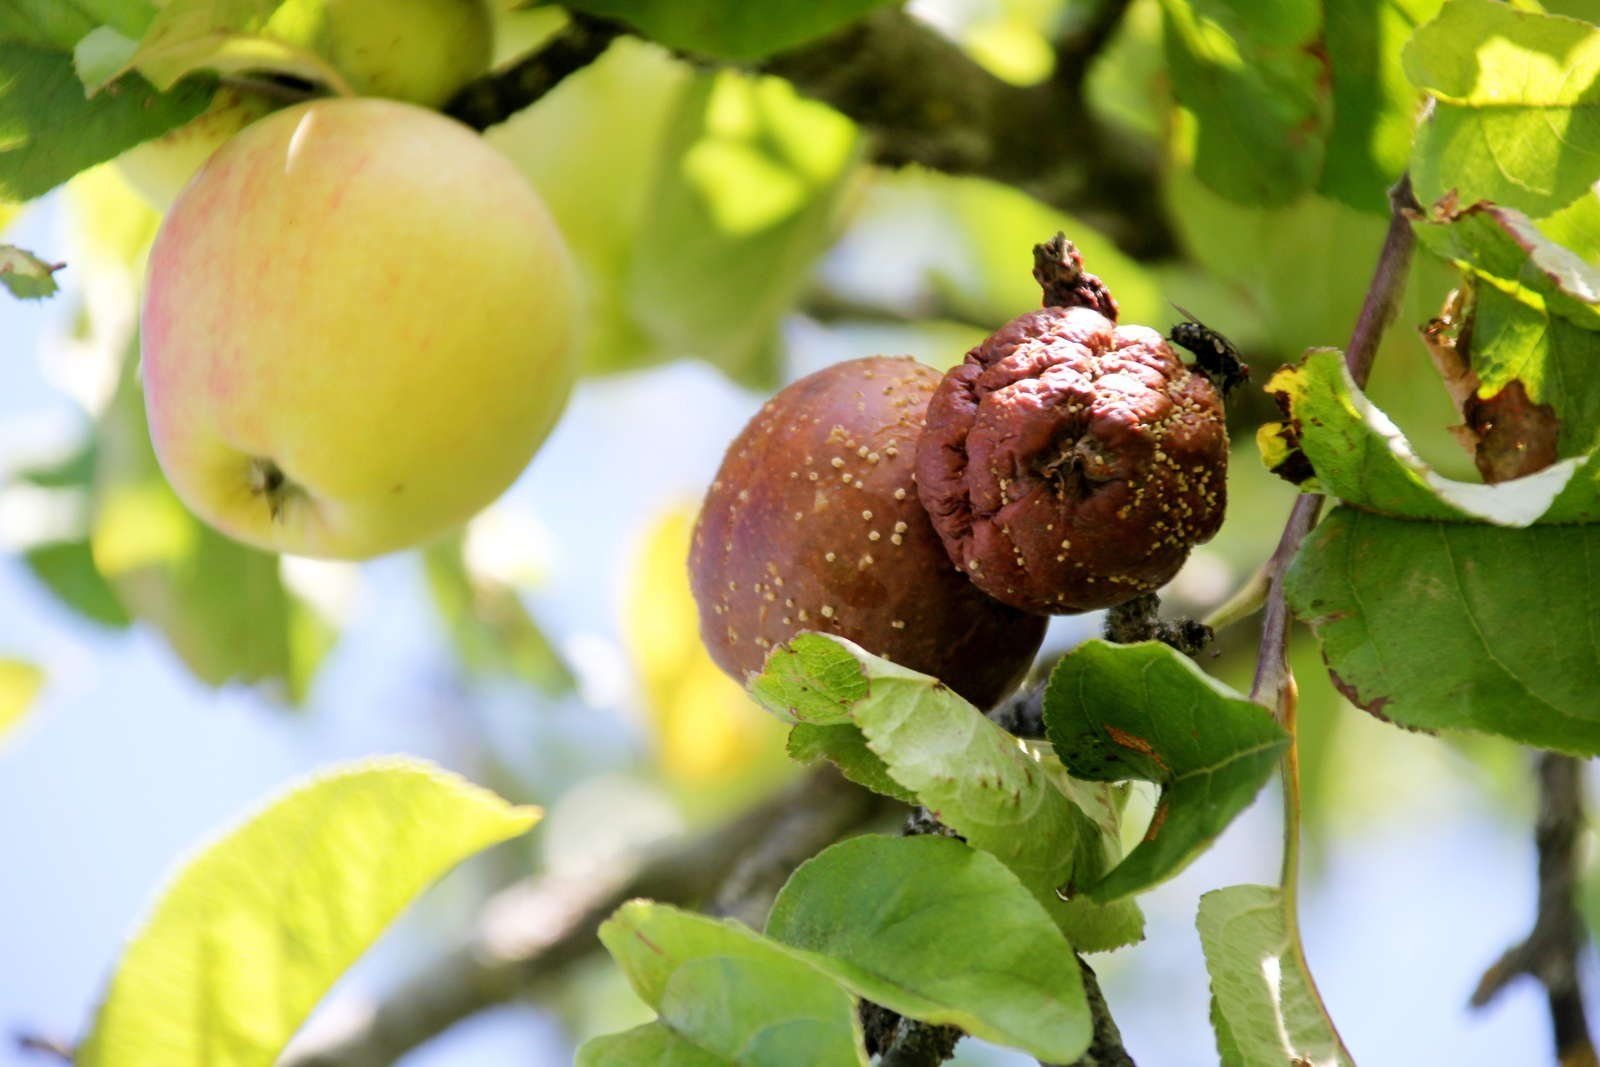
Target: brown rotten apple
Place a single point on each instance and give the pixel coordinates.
(1070, 463)
(813, 523)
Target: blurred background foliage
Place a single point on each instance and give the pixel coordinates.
(721, 220)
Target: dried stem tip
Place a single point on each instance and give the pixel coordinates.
(1058, 268)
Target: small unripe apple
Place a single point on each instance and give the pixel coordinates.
(420, 51)
(358, 326)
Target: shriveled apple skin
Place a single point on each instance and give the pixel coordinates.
(358, 327)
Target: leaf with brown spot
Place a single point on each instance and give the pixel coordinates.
(1458, 626)
(1516, 437)
(1145, 712)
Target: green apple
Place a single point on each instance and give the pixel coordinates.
(358, 326)
(159, 169)
(416, 50)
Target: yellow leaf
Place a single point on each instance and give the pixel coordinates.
(707, 731)
(19, 685)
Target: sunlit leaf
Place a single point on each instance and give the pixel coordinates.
(1255, 80)
(60, 24)
(936, 931)
(1516, 106)
(1146, 712)
(729, 29)
(188, 36)
(708, 733)
(725, 988)
(254, 930)
(20, 683)
(1374, 103)
(25, 275)
(1262, 992)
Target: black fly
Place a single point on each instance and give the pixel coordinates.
(1214, 354)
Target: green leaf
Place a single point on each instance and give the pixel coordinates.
(254, 930)
(486, 619)
(981, 266)
(50, 131)
(752, 174)
(222, 606)
(25, 275)
(725, 988)
(1255, 80)
(68, 570)
(63, 561)
(1146, 712)
(773, 1012)
(703, 175)
(652, 1043)
(939, 932)
(1430, 624)
(60, 24)
(980, 781)
(1503, 247)
(1267, 1004)
(1374, 103)
(730, 29)
(20, 683)
(188, 36)
(844, 746)
(1298, 299)
(1361, 457)
(1516, 115)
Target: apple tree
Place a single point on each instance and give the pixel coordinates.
(1150, 394)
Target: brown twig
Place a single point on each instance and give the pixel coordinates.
(54, 1048)
(500, 94)
(922, 101)
(1552, 951)
(1382, 301)
(528, 934)
(1274, 683)
(1106, 1049)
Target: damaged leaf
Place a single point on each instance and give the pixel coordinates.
(1360, 456)
(1146, 712)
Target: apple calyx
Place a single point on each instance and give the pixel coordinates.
(268, 480)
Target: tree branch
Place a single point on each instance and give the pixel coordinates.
(923, 101)
(497, 96)
(1552, 951)
(1106, 1049)
(529, 932)
(1272, 677)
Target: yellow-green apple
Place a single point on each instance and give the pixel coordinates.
(416, 50)
(357, 328)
